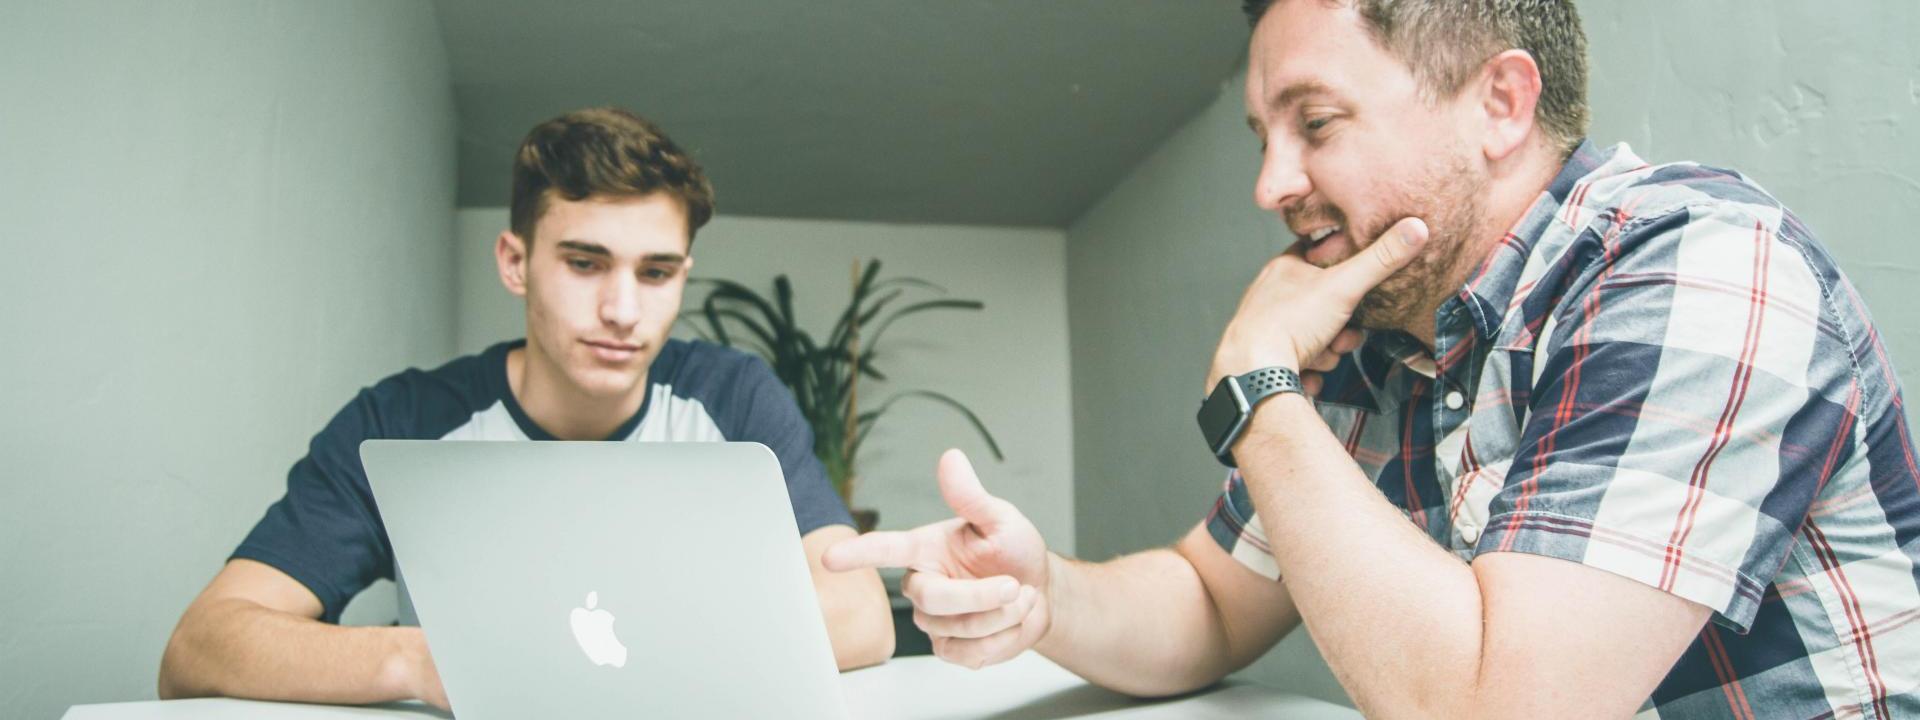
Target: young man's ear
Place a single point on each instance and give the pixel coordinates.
(1511, 91)
(510, 253)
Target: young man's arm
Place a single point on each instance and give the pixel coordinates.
(1154, 623)
(756, 407)
(859, 619)
(255, 633)
(257, 630)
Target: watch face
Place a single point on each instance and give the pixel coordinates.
(1218, 415)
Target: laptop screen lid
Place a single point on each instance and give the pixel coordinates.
(593, 579)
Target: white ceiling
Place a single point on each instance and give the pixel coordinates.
(989, 112)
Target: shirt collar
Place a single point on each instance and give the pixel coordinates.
(1487, 295)
(1403, 349)
(1483, 302)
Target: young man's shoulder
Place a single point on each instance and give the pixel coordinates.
(737, 390)
(697, 368)
(428, 403)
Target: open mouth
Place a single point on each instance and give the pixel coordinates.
(1318, 236)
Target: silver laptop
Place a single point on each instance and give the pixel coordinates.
(615, 579)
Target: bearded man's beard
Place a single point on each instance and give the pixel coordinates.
(1446, 196)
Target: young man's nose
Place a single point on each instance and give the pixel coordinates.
(620, 303)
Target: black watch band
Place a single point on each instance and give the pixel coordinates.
(1223, 415)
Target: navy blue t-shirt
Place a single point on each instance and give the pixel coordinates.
(326, 533)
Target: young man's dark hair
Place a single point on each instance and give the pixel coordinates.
(607, 152)
(1445, 43)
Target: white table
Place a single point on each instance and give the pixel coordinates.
(1029, 687)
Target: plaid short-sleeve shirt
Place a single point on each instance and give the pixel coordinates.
(1661, 373)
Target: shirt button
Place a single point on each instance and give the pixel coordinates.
(1454, 400)
(1470, 533)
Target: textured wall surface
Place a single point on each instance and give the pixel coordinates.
(1819, 102)
(223, 219)
(1007, 362)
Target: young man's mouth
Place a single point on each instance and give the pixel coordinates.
(613, 352)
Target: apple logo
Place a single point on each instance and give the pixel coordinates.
(593, 629)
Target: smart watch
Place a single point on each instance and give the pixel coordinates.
(1223, 415)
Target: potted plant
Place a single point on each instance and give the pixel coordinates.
(825, 376)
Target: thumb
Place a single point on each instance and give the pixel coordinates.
(1391, 251)
(961, 488)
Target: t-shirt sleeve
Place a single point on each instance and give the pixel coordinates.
(325, 532)
(1690, 404)
(767, 414)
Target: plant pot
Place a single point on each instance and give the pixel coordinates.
(865, 519)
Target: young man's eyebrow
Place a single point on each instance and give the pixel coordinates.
(584, 247)
(592, 248)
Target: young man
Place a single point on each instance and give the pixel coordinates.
(1653, 454)
(604, 212)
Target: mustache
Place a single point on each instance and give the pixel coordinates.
(1314, 214)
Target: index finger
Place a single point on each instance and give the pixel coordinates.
(1393, 250)
(873, 550)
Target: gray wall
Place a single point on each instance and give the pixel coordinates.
(1008, 362)
(1820, 102)
(223, 218)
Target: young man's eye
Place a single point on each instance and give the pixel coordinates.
(657, 273)
(582, 264)
(1316, 124)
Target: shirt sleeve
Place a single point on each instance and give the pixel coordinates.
(1236, 528)
(1689, 404)
(325, 532)
(768, 415)
(1346, 396)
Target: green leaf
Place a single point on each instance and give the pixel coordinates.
(911, 281)
(821, 377)
(923, 306)
(867, 419)
(783, 294)
(878, 305)
(850, 321)
(687, 318)
(730, 290)
(715, 314)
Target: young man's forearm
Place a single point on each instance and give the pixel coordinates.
(854, 604)
(239, 648)
(1143, 625)
(859, 625)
